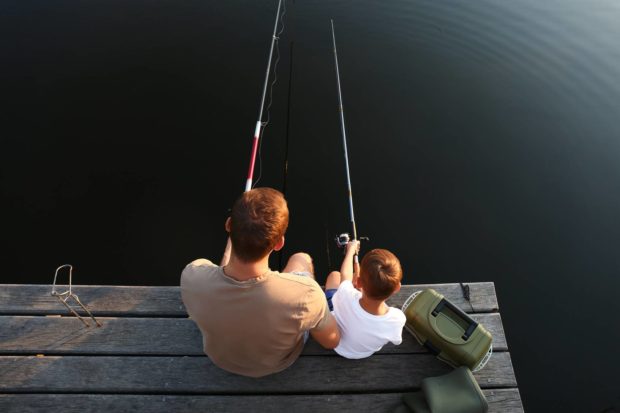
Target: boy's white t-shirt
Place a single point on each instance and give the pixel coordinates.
(362, 333)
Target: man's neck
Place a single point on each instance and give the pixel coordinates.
(372, 306)
(243, 271)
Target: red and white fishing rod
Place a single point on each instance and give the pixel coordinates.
(259, 122)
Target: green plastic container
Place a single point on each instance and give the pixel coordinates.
(446, 331)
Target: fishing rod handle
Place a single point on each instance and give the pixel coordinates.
(248, 182)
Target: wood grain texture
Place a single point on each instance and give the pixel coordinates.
(153, 336)
(101, 300)
(32, 299)
(198, 375)
(500, 401)
(148, 357)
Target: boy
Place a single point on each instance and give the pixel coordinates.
(366, 323)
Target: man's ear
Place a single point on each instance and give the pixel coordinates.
(279, 245)
(227, 225)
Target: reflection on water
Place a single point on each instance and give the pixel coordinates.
(482, 135)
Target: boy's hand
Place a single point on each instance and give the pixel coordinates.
(346, 269)
(352, 248)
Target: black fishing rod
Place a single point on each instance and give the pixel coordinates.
(288, 132)
(342, 239)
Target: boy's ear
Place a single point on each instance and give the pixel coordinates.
(279, 245)
(227, 225)
(397, 289)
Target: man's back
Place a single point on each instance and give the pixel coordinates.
(254, 327)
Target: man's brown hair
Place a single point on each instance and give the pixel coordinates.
(380, 274)
(258, 221)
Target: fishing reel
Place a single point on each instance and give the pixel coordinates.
(343, 239)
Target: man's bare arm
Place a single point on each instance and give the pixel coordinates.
(328, 335)
(226, 256)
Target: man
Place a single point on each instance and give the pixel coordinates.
(255, 321)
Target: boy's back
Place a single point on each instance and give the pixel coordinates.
(362, 333)
(366, 322)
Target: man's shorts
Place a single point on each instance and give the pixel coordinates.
(329, 294)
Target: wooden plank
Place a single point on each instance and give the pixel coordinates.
(198, 375)
(31, 299)
(500, 401)
(152, 336)
(482, 295)
(101, 300)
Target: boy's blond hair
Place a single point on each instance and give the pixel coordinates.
(380, 274)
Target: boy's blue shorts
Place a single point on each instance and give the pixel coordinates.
(329, 294)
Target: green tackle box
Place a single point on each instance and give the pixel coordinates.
(446, 331)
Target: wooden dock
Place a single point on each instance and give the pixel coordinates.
(147, 357)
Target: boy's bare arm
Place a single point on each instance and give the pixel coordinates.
(347, 270)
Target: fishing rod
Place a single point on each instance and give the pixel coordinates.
(259, 122)
(288, 130)
(344, 238)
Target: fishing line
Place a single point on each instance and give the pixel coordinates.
(327, 239)
(288, 120)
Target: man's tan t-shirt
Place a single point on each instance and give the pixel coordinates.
(253, 327)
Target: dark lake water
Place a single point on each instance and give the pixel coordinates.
(483, 141)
